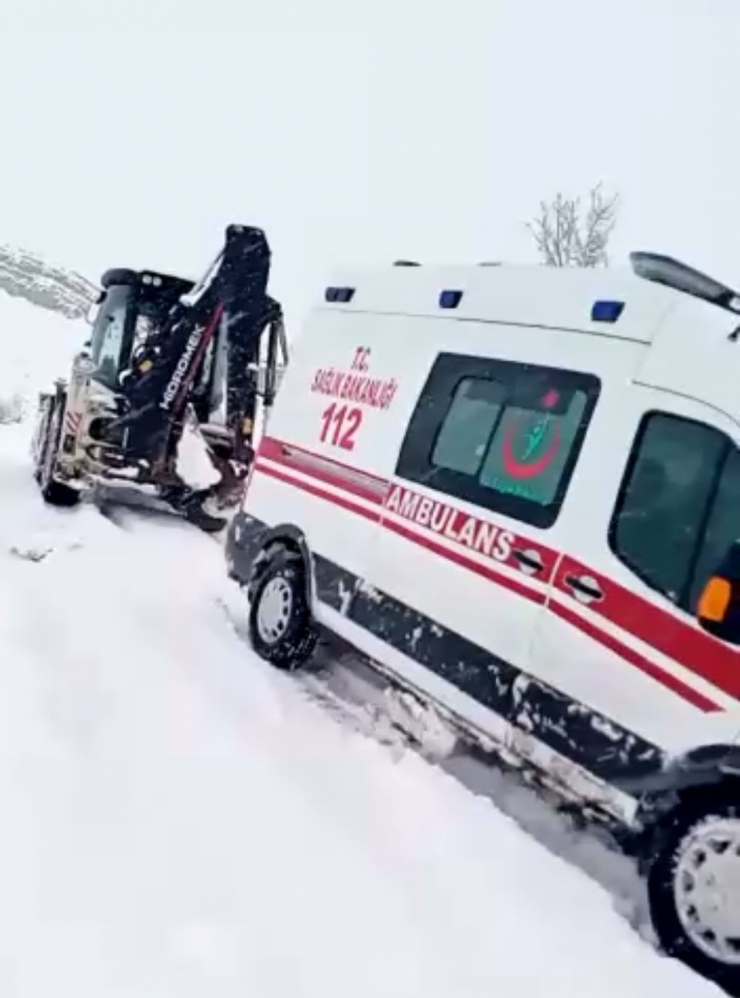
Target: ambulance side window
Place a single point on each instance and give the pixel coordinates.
(463, 437)
(500, 435)
(678, 509)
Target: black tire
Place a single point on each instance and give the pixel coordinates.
(281, 629)
(53, 492)
(692, 830)
(39, 435)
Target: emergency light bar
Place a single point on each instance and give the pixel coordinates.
(674, 274)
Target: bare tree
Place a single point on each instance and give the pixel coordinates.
(569, 235)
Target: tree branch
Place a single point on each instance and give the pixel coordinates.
(566, 237)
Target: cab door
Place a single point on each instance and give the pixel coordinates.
(652, 515)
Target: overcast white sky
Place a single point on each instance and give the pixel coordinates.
(363, 130)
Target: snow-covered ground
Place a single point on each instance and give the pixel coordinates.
(176, 819)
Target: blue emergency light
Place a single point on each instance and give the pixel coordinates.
(450, 299)
(606, 311)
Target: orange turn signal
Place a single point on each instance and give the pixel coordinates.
(714, 600)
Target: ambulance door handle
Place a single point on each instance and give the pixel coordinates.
(585, 588)
(530, 561)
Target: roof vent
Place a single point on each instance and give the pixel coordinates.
(406, 263)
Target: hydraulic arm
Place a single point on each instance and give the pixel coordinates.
(229, 307)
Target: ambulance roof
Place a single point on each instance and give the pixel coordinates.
(614, 302)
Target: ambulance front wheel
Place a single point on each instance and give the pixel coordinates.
(281, 628)
(694, 887)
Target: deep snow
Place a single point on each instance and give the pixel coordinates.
(176, 819)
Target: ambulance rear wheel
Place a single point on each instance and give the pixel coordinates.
(694, 888)
(281, 629)
(53, 492)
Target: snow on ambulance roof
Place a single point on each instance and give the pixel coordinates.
(611, 301)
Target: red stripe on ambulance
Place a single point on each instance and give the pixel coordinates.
(426, 517)
(325, 469)
(701, 654)
(471, 532)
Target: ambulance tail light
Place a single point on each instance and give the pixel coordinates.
(606, 311)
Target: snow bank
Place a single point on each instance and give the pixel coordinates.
(194, 465)
(179, 821)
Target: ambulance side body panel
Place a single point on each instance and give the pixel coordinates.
(325, 462)
(539, 636)
(589, 679)
(470, 610)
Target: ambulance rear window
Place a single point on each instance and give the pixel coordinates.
(530, 448)
(501, 435)
(466, 431)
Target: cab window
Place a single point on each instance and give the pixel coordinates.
(501, 435)
(109, 334)
(678, 510)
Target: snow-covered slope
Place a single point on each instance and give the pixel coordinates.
(36, 346)
(179, 821)
(29, 276)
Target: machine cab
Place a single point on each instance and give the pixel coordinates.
(132, 305)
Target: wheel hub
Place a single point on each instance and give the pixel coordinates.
(274, 610)
(706, 888)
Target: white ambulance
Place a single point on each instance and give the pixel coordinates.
(508, 488)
